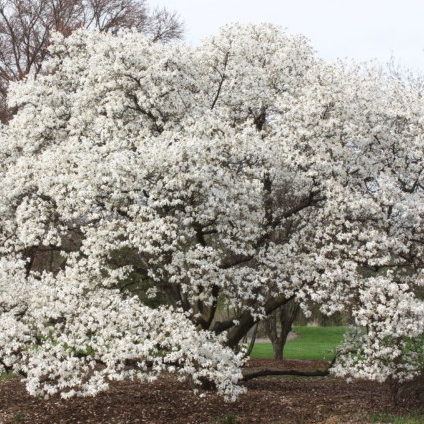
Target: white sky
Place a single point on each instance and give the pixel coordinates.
(357, 29)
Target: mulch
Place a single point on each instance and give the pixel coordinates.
(269, 400)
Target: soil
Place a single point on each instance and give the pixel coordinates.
(269, 400)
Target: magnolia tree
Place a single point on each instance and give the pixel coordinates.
(145, 186)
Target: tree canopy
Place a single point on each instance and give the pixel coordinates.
(144, 185)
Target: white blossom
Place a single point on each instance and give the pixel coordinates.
(240, 173)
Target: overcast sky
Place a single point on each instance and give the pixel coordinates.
(357, 29)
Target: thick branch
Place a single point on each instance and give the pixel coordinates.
(246, 321)
(264, 373)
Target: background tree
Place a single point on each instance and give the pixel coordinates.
(26, 26)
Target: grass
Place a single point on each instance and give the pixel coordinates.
(19, 417)
(312, 343)
(396, 419)
(6, 376)
(229, 418)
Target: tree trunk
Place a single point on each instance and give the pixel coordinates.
(279, 324)
(278, 350)
(252, 340)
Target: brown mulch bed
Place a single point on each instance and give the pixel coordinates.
(269, 400)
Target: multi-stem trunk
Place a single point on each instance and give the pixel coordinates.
(278, 326)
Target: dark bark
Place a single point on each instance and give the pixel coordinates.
(279, 324)
(264, 373)
(315, 373)
(252, 340)
(246, 321)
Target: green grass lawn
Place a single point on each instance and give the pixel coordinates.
(6, 376)
(312, 343)
(393, 419)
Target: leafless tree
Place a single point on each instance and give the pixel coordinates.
(26, 26)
